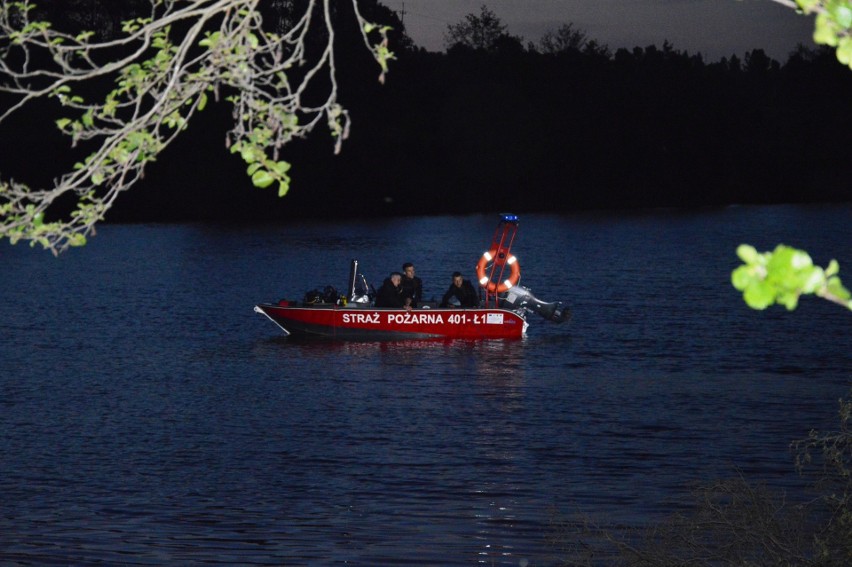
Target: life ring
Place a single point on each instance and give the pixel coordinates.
(494, 287)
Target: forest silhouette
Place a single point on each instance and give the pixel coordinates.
(512, 128)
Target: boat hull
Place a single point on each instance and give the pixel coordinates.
(366, 323)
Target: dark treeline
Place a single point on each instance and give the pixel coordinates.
(472, 131)
(516, 129)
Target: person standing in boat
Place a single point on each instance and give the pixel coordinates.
(412, 286)
(391, 293)
(460, 294)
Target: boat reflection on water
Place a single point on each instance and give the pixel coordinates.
(495, 357)
(501, 362)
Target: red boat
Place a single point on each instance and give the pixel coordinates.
(348, 322)
(501, 314)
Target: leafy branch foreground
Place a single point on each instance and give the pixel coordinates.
(783, 276)
(833, 25)
(150, 81)
(735, 522)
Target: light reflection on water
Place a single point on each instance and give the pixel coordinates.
(149, 416)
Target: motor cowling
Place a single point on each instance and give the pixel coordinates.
(518, 297)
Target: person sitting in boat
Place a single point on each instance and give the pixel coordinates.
(391, 293)
(460, 294)
(412, 286)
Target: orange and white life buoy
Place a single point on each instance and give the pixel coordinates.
(484, 280)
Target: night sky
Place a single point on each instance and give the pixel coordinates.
(715, 28)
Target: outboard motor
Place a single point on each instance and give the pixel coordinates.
(521, 297)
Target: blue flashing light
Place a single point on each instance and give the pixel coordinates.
(510, 218)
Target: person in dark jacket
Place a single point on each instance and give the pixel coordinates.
(391, 293)
(412, 286)
(460, 294)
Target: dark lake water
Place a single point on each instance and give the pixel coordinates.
(148, 416)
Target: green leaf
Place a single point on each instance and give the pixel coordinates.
(759, 295)
(110, 107)
(743, 277)
(788, 299)
(262, 179)
(842, 15)
(77, 239)
(748, 254)
(813, 279)
(832, 269)
(281, 167)
(120, 154)
(825, 32)
(283, 187)
(247, 152)
(63, 122)
(175, 120)
(206, 42)
(844, 50)
(800, 260)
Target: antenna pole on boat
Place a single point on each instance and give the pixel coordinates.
(353, 274)
(501, 245)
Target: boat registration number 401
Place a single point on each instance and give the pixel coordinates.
(475, 318)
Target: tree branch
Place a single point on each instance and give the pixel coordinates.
(160, 72)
